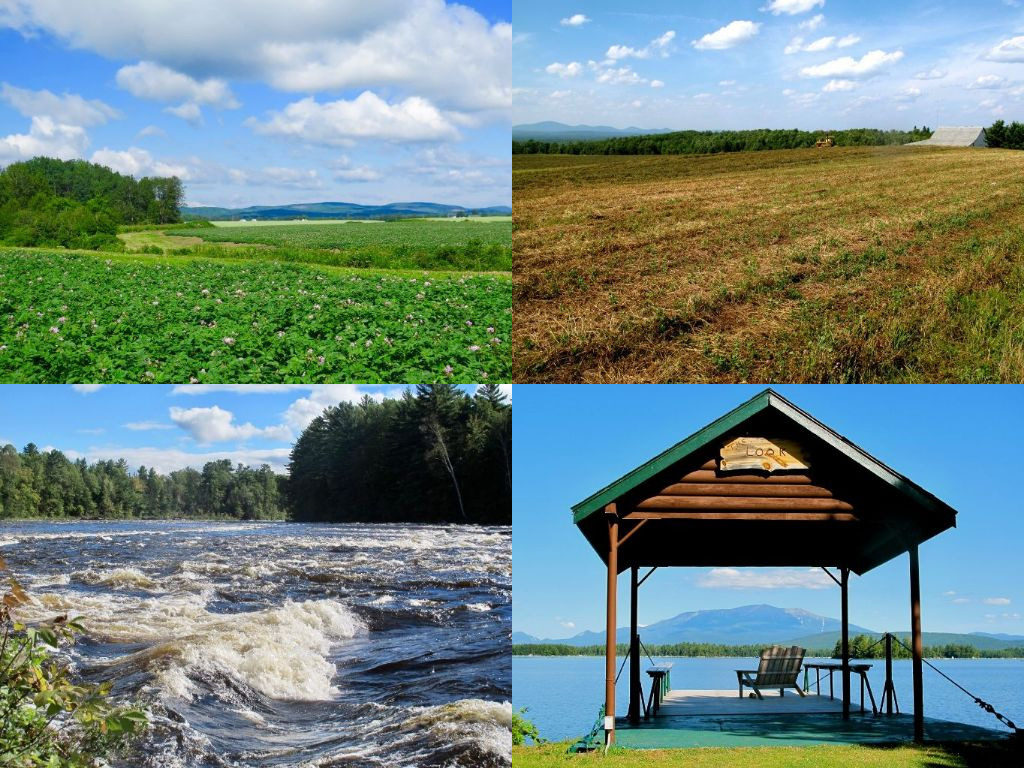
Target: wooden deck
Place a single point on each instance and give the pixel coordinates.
(720, 718)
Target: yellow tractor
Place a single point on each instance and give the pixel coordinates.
(827, 141)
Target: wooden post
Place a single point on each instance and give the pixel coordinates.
(888, 674)
(609, 651)
(916, 644)
(844, 588)
(635, 692)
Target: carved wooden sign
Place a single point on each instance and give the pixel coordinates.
(761, 454)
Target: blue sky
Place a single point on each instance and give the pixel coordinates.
(962, 443)
(169, 427)
(260, 102)
(732, 64)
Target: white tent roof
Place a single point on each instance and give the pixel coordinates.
(955, 136)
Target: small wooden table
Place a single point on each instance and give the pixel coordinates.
(859, 668)
(660, 682)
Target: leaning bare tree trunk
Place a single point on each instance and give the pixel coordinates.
(442, 448)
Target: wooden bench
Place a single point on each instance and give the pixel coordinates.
(779, 668)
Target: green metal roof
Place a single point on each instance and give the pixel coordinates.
(768, 399)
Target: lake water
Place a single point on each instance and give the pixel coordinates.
(564, 693)
(276, 644)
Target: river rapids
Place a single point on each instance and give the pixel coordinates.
(287, 644)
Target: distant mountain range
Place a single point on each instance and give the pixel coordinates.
(551, 131)
(762, 624)
(339, 211)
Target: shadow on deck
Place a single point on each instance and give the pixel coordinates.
(722, 719)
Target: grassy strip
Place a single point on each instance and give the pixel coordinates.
(418, 244)
(989, 754)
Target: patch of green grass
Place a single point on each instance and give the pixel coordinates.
(74, 316)
(993, 755)
(417, 243)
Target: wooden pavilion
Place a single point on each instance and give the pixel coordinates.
(766, 484)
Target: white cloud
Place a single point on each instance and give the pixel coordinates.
(448, 53)
(567, 624)
(833, 86)
(45, 137)
(996, 601)
(301, 412)
(812, 23)
(765, 578)
(151, 130)
(87, 389)
(619, 76)
(988, 81)
(344, 170)
(659, 45)
(792, 7)
(138, 163)
(146, 426)
(576, 20)
(1008, 50)
(190, 112)
(571, 69)
(732, 34)
(931, 74)
(657, 84)
(847, 66)
(68, 109)
(796, 45)
(216, 425)
(339, 123)
(293, 178)
(961, 600)
(147, 80)
(821, 44)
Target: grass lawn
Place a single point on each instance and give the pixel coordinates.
(843, 265)
(989, 755)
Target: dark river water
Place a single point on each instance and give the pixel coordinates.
(285, 644)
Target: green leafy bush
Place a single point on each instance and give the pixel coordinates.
(523, 729)
(47, 719)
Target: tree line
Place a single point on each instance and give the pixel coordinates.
(860, 648)
(1011, 136)
(439, 455)
(868, 647)
(47, 484)
(434, 455)
(76, 204)
(715, 142)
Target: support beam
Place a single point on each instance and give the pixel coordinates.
(844, 588)
(635, 692)
(764, 517)
(916, 644)
(609, 649)
(781, 504)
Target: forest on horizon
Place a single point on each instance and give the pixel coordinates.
(436, 455)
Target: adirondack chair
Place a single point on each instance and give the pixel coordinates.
(779, 668)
